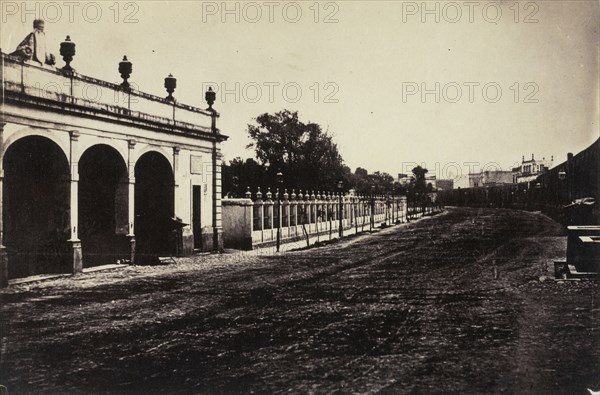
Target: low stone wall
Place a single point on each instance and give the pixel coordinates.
(237, 223)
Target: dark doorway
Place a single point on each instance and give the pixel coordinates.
(36, 207)
(103, 199)
(154, 208)
(196, 223)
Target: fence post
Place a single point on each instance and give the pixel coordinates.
(269, 211)
(286, 213)
(294, 211)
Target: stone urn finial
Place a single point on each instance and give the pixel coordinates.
(210, 96)
(125, 68)
(170, 85)
(67, 51)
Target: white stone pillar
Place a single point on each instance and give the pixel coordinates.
(286, 212)
(75, 243)
(3, 255)
(293, 211)
(178, 206)
(131, 199)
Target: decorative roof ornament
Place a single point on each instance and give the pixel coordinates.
(125, 68)
(67, 51)
(210, 97)
(170, 85)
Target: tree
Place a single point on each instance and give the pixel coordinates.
(383, 182)
(307, 156)
(361, 181)
(238, 175)
(419, 173)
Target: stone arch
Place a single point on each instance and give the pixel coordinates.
(145, 148)
(61, 139)
(154, 207)
(85, 144)
(103, 205)
(36, 206)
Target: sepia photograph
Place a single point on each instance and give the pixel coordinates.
(306, 197)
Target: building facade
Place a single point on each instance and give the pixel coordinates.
(444, 185)
(85, 181)
(531, 169)
(405, 179)
(431, 180)
(490, 178)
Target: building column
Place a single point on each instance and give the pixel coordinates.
(3, 255)
(131, 217)
(74, 242)
(184, 241)
(131, 200)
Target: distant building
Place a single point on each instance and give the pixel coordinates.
(530, 170)
(431, 180)
(444, 185)
(490, 178)
(405, 179)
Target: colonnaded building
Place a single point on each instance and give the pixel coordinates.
(87, 181)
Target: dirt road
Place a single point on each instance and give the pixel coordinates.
(457, 303)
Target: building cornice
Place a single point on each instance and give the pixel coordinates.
(114, 114)
(27, 85)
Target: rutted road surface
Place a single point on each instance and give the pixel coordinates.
(412, 309)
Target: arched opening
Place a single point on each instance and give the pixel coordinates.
(154, 208)
(103, 219)
(36, 207)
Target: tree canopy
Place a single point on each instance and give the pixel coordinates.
(419, 173)
(307, 156)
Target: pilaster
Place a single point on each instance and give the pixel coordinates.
(74, 242)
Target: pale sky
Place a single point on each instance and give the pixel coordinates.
(361, 74)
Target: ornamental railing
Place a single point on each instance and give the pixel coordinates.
(26, 83)
(253, 221)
